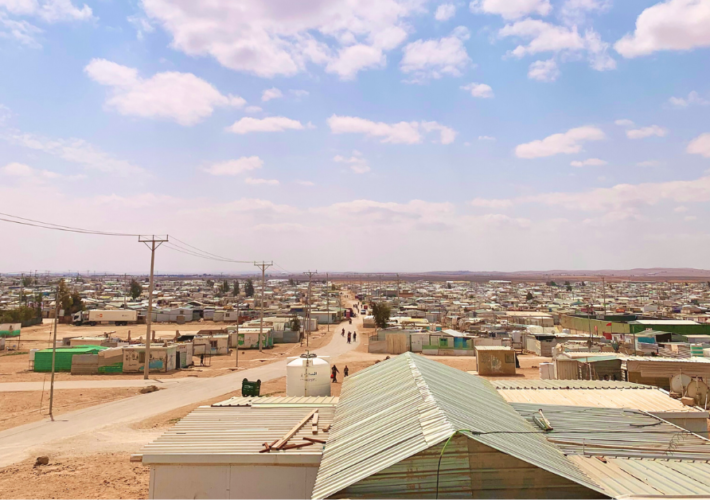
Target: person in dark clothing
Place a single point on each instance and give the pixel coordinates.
(349, 336)
(343, 334)
(517, 363)
(334, 373)
(354, 336)
(345, 371)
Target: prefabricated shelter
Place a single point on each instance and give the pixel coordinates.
(216, 451)
(10, 329)
(63, 358)
(183, 355)
(249, 338)
(495, 360)
(162, 358)
(605, 394)
(592, 367)
(110, 360)
(413, 427)
(95, 340)
(217, 345)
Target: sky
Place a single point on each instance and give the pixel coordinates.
(356, 135)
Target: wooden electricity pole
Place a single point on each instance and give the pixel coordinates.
(154, 244)
(327, 299)
(54, 353)
(263, 266)
(308, 306)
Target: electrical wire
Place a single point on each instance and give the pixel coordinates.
(59, 227)
(208, 253)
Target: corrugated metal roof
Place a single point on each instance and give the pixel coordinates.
(228, 434)
(581, 430)
(405, 405)
(567, 384)
(292, 401)
(642, 477)
(608, 398)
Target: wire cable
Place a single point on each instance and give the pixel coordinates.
(209, 253)
(57, 227)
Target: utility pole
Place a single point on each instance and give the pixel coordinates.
(308, 305)
(327, 299)
(54, 353)
(397, 289)
(237, 349)
(263, 266)
(154, 244)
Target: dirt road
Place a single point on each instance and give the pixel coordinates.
(18, 443)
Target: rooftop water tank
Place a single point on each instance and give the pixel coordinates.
(308, 375)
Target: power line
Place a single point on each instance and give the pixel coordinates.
(211, 254)
(59, 227)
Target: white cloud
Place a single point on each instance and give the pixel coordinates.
(680, 210)
(235, 167)
(419, 213)
(27, 175)
(306, 183)
(21, 31)
(356, 162)
(565, 143)
(643, 132)
(75, 151)
(270, 124)
(576, 11)
(51, 11)
(648, 163)
(445, 11)
(490, 203)
(351, 60)
(253, 110)
(259, 182)
(272, 93)
(479, 90)
(544, 71)
(684, 102)
(396, 133)
(624, 123)
(426, 59)
(299, 93)
(511, 9)
(546, 37)
(486, 138)
(270, 37)
(700, 145)
(181, 97)
(669, 25)
(591, 162)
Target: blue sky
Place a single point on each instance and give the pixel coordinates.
(372, 135)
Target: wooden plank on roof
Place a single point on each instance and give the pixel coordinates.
(281, 442)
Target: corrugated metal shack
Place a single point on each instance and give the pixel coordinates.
(495, 360)
(605, 394)
(218, 451)
(413, 427)
(63, 357)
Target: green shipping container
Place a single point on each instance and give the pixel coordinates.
(63, 359)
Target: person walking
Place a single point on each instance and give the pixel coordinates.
(334, 374)
(343, 334)
(349, 335)
(345, 371)
(354, 336)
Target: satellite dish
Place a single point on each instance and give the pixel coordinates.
(679, 383)
(698, 390)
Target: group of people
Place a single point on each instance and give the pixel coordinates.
(334, 373)
(352, 336)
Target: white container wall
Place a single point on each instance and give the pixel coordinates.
(547, 371)
(308, 375)
(32, 354)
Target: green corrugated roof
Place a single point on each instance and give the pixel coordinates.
(405, 405)
(77, 349)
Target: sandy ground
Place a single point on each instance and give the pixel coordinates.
(18, 408)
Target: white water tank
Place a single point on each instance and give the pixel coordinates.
(32, 354)
(547, 371)
(308, 375)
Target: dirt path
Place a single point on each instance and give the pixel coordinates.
(20, 442)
